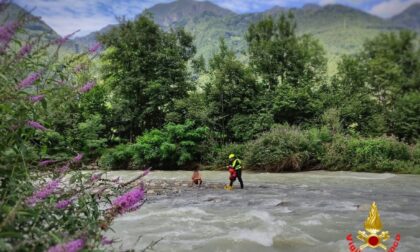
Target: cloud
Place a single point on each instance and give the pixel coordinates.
(391, 7)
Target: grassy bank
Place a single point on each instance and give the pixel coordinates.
(282, 149)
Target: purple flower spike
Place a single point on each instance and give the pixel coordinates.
(63, 169)
(147, 171)
(87, 87)
(129, 201)
(36, 98)
(25, 50)
(78, 158)
(62, 204)
(106, 241)
(46, 162)
(73, 246)
(95, 177)
(35, 125)
(7, 31)
(43, 193)
(28, 81)
(94, 48)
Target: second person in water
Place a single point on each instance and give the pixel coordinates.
(235, 163)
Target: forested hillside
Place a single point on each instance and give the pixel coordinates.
(339, 28)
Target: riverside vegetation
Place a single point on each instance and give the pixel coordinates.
(149, 100)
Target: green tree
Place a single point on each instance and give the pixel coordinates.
(280, 56)
(232, 90)
(369, 86)
(146, 69)
(292, 67)
(405, 117)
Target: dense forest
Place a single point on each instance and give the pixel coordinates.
(162, 106)
(144, 98)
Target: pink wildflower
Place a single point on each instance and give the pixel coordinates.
(87, 87)
(95, 177)
(43, 193)
(7, 31)
(94, 48)
(36, 98)
(106, 241)
(63, 169)
(147, 171)
(46, 162)
(62, 40)
(28, 81)
(25, 50)
(78, 158)
(62, 204)
(35, 125)
(129, 201)
(73, 246)
(78, 68)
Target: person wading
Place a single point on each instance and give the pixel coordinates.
(236, 164)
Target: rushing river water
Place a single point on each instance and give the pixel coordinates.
(296, 212)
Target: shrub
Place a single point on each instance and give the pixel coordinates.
(222, 154)
(381, 154)
(43, 207)
(283, 148)
(247, 127)
(117, 158)
(89, 135)
(176, 145)
(415, 153)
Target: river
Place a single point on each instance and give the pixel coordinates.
(294, 212)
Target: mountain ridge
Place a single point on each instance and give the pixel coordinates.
(410, 17)
(340, 29)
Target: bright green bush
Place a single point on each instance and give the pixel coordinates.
(175, 145)
(117, 158)
(89, 135)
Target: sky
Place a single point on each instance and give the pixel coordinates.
(67, 16)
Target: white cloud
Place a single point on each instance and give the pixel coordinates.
(391, 7)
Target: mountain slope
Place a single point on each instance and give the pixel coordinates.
(182, 11)
(90, 39)
(33, 27)
(340, 29)
(409, 18)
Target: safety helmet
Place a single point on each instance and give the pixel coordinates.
(231, 155)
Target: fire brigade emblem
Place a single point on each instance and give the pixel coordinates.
(373, 236)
